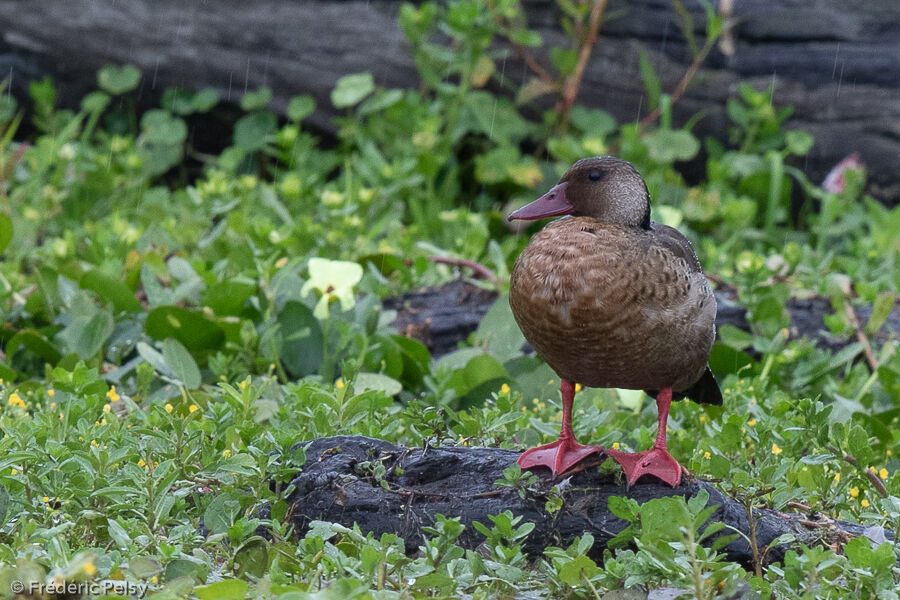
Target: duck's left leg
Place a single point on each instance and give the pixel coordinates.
(657, 461)
(566, 452)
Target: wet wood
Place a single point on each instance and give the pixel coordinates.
(443, 317)
(836, 61)
(337, 485)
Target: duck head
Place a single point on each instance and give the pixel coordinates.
(606, 188)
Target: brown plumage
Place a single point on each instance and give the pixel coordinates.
(609, 298)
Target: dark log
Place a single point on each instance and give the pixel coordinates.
(336, 486)
(443, 317)
(836, 62)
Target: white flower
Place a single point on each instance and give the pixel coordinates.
(333, 280)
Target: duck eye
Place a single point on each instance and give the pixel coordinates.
(595, 175)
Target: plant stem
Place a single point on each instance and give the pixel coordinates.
(573, 83)
(754, 546)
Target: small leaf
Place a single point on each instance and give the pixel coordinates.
(651, 80)
(351, 89)
(377, 381)
(254, 131)
(229, 589)
(118, 534)
(6, 231)
(112, 289)
(220, 513)
(257, 99)
(118, 80)
(4, 504)
(163, 128)
(252, 558)
(300, 107)
(181, 363)
(302, 342)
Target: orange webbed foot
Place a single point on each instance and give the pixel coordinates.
(558, 456)
(657, 462)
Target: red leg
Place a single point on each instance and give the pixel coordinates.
(566, 452)
(657, 461)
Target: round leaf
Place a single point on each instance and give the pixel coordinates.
(118, 80)
(351, 89)
(253, 131)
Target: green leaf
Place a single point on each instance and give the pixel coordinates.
(190, 328)
(227, 297)
(112, 289)
(302, 341)
(220, 513)
(6, 231)
(300, 107)
(256, 100)
(88, 329)
(881, 310)
(650, 79)
(859, 551)
(205, 99)
(351, 89)
(377, 381)
(37, 344)
(574, 571)
(798, 142)
(118, 80)
(252, 558)
(143, 567)
(668, 145)
(229, 589)
(252, 132)
(735, 338)
(162, 128)
(564, 59)
(118, 534)
(181, 363)
(498, 332)
(4, 504)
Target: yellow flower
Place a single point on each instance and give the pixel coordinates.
(504, 389)
(89, 568)
(168, 408)
(226, 452)
(142, 463)
(837, 477)
(577, 387)
(854, 492)
(751, 422)
(865, 503)
(53, 405)
(707, 455)
(339, 384)
(888, 452)
(193, 408)
(243, 384)
(95, 444)
(616, 445)
(45, 499)
(51, 392)
(14, 471)
(776, 450)
(107, 408)
(883, 473)
(113, 395)
(16, 400)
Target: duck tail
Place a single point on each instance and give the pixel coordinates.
(706, 390)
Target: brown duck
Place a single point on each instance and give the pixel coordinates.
(609, 298)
